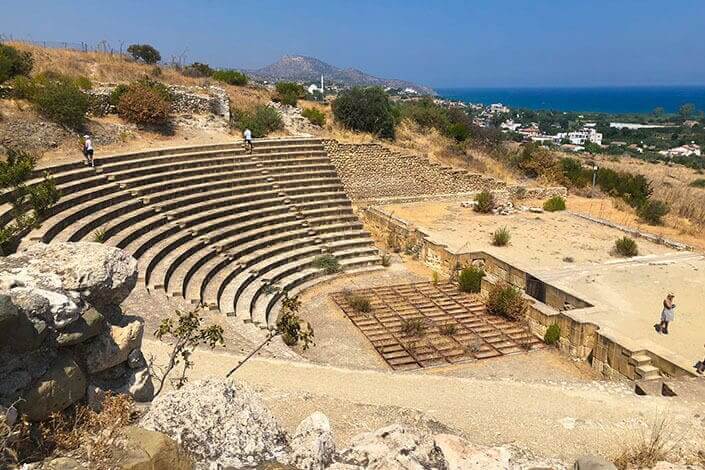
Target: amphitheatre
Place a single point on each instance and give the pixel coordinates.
(232, 234)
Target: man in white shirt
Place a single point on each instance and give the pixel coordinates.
(248, 140)
(88, 150)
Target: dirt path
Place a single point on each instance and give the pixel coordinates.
(552, 419)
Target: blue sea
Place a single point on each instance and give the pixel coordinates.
(613, 100)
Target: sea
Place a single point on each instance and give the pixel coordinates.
(612, 100)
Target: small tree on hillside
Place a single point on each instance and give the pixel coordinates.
(145, 53)
(289, 92)
(14, 62)
(366, 110)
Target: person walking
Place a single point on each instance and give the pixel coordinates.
(667, 314)
(88, 150)
(701, 367)
(248, 140)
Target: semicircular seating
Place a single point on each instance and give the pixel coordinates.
(219, 227)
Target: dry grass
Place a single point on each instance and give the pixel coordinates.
(648, 448)
(80, 431)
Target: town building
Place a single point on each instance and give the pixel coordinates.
(687, 150)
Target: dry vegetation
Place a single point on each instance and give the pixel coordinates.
(647, 449)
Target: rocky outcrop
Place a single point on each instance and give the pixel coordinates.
(218, 421)
(61, 329)
(312, 446)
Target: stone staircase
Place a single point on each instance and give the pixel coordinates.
(217, 226)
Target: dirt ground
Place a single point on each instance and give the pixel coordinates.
(538, 241)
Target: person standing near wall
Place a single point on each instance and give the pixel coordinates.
(667, 314)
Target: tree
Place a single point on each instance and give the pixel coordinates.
(686, 110)
(658, 111)
(231, 77)
(59, 98)
(289, 92)
(14, 62)
(366, 110)
(145, 53)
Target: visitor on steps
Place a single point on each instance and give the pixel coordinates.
(667, 314)
(248, 140)
(88, 150)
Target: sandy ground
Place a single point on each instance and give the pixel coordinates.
(552, 418)
(629, 299)
(538, 241)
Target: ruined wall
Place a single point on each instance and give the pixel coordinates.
(579, 338)
(372, 172)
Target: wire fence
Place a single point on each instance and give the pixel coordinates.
(104, 46)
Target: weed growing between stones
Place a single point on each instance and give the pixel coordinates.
(501, 237)
(484, 202)
(556, 203)
(647, 449)
(470, 279)
(329, 264)
(448, 329)
(358, 302)
(507, 301)
(413, 327)
(100, 235)
(553, 334)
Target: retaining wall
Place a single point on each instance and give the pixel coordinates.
(581, 339)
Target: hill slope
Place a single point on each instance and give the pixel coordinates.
(302, 68)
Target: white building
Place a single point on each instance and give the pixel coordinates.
(586, 134)
(498, 108)
(312, 88)
(510, 125)
(687, 150)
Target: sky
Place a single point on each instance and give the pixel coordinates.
(439, 43)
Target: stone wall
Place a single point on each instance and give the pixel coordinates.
(186, 100)
(374, 173)
(581, 339)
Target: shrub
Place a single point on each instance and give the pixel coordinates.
(358, 302)
(500, 237)
(652, 211)
(484, 202)
(83, 82)
(117, 93)
(289, 93)
(291, 327)
(59, 98)
(198, 70)
(556, 203)
(626, 246)
(647, 450)
(698, 183)
(448, 329)
(434, 278)
(366, 110)
(314, 116)
(553, 334)
(143, 104)
(231, 77)
(261, 121)
(100, 235)
(506, 300)
(327, 263)
(23, 87)
(14, 62)
(145, 53)
(413, 326)
(470, 279)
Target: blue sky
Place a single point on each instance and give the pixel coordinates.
(438, 43)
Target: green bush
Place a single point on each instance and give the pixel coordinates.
(556, 203)
(23, 87)
(117, 93)
(470, 279)
(358, 302)
(144, 104)
(327, 263)
(314, 116)
(145, 53)
(231, 77)
(83, 82)
(14, 62)
(652, 211)
(448, 329)
(553, 334)
(484, 202)
(59, 98)
(507, 301)
(626, 246)
(198, 70)
(501, 237)
(261, 121)
(698, 183)
(366, 110)
(413, 327)
(289, 93)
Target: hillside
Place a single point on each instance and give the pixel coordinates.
(302, 68)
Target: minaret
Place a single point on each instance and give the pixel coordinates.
(322, 94)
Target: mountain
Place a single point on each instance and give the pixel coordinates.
(301, 68)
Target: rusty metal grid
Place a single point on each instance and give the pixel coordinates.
(477, 335)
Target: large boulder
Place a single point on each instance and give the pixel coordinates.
(17, 332)
(87, 326)
(112, 347)
(393, 447)
(63, 384)
(459, 454)
(55, 281)
(312, 447)
(593, 462)
(150, 450)
(218, 421)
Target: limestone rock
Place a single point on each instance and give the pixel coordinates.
(459, 454)
(151, 450)
(63, 384)
(312, 447)
(219, 422)
(593, 462)
(17, 332)
(112, 347)
(62, 463)
(394, 447)
(86, 327)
